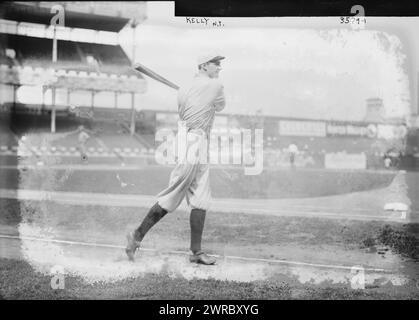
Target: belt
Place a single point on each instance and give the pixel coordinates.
(197, 131)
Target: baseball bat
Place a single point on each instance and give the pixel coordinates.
(144, 70)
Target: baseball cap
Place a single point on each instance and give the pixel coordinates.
(209, 57)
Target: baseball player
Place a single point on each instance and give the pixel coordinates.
(83, 138)
(197, 104)
(293, 150)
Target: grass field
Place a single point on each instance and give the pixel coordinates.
(149, 180)
(20, 281)
(293, 238)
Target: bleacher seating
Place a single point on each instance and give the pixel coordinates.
(106, 54)
(37, 52)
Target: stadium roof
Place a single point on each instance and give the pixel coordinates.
(80, 65)
(34, 51)
(104, 16)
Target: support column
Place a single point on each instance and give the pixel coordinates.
(134, 24)
(44, 89)
(132, 127)
(92, 99)
(115, 104)
(53, 113)
(54, 60)
(68, 97)
(14, 95)
(39, 110)
(54, 45)
(416, 112)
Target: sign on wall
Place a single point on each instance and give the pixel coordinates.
(334, 129)
(302, 128)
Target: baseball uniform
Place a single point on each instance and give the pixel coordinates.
(83, 137)
(293, 150)
(197, 104)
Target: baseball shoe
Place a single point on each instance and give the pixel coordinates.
(202, 258)
(132, 246)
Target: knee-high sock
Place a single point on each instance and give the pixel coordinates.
(154, 215)
(197, 221)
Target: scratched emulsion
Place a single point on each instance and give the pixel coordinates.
(305, 73)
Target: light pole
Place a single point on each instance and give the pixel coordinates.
(54, 60)
(134, 24)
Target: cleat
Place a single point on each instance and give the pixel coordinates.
(132, 246)
(202, 258)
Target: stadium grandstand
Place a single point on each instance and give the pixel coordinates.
(52, 76)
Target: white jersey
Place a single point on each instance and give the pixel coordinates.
(83, 137)
(198, 102)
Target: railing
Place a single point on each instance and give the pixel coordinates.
(71, 79)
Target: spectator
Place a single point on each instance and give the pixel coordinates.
(395, 158)
(387, 162)
(293, 150)
(83, 138)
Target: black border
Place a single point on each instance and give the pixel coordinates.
(271, 309)
(294, 8)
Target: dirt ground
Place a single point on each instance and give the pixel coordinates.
(250, 236)
(20, 281)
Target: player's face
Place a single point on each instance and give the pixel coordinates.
(213, 69)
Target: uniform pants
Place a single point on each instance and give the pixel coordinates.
(189, 179)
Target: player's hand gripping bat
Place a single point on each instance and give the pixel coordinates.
(144, 70)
